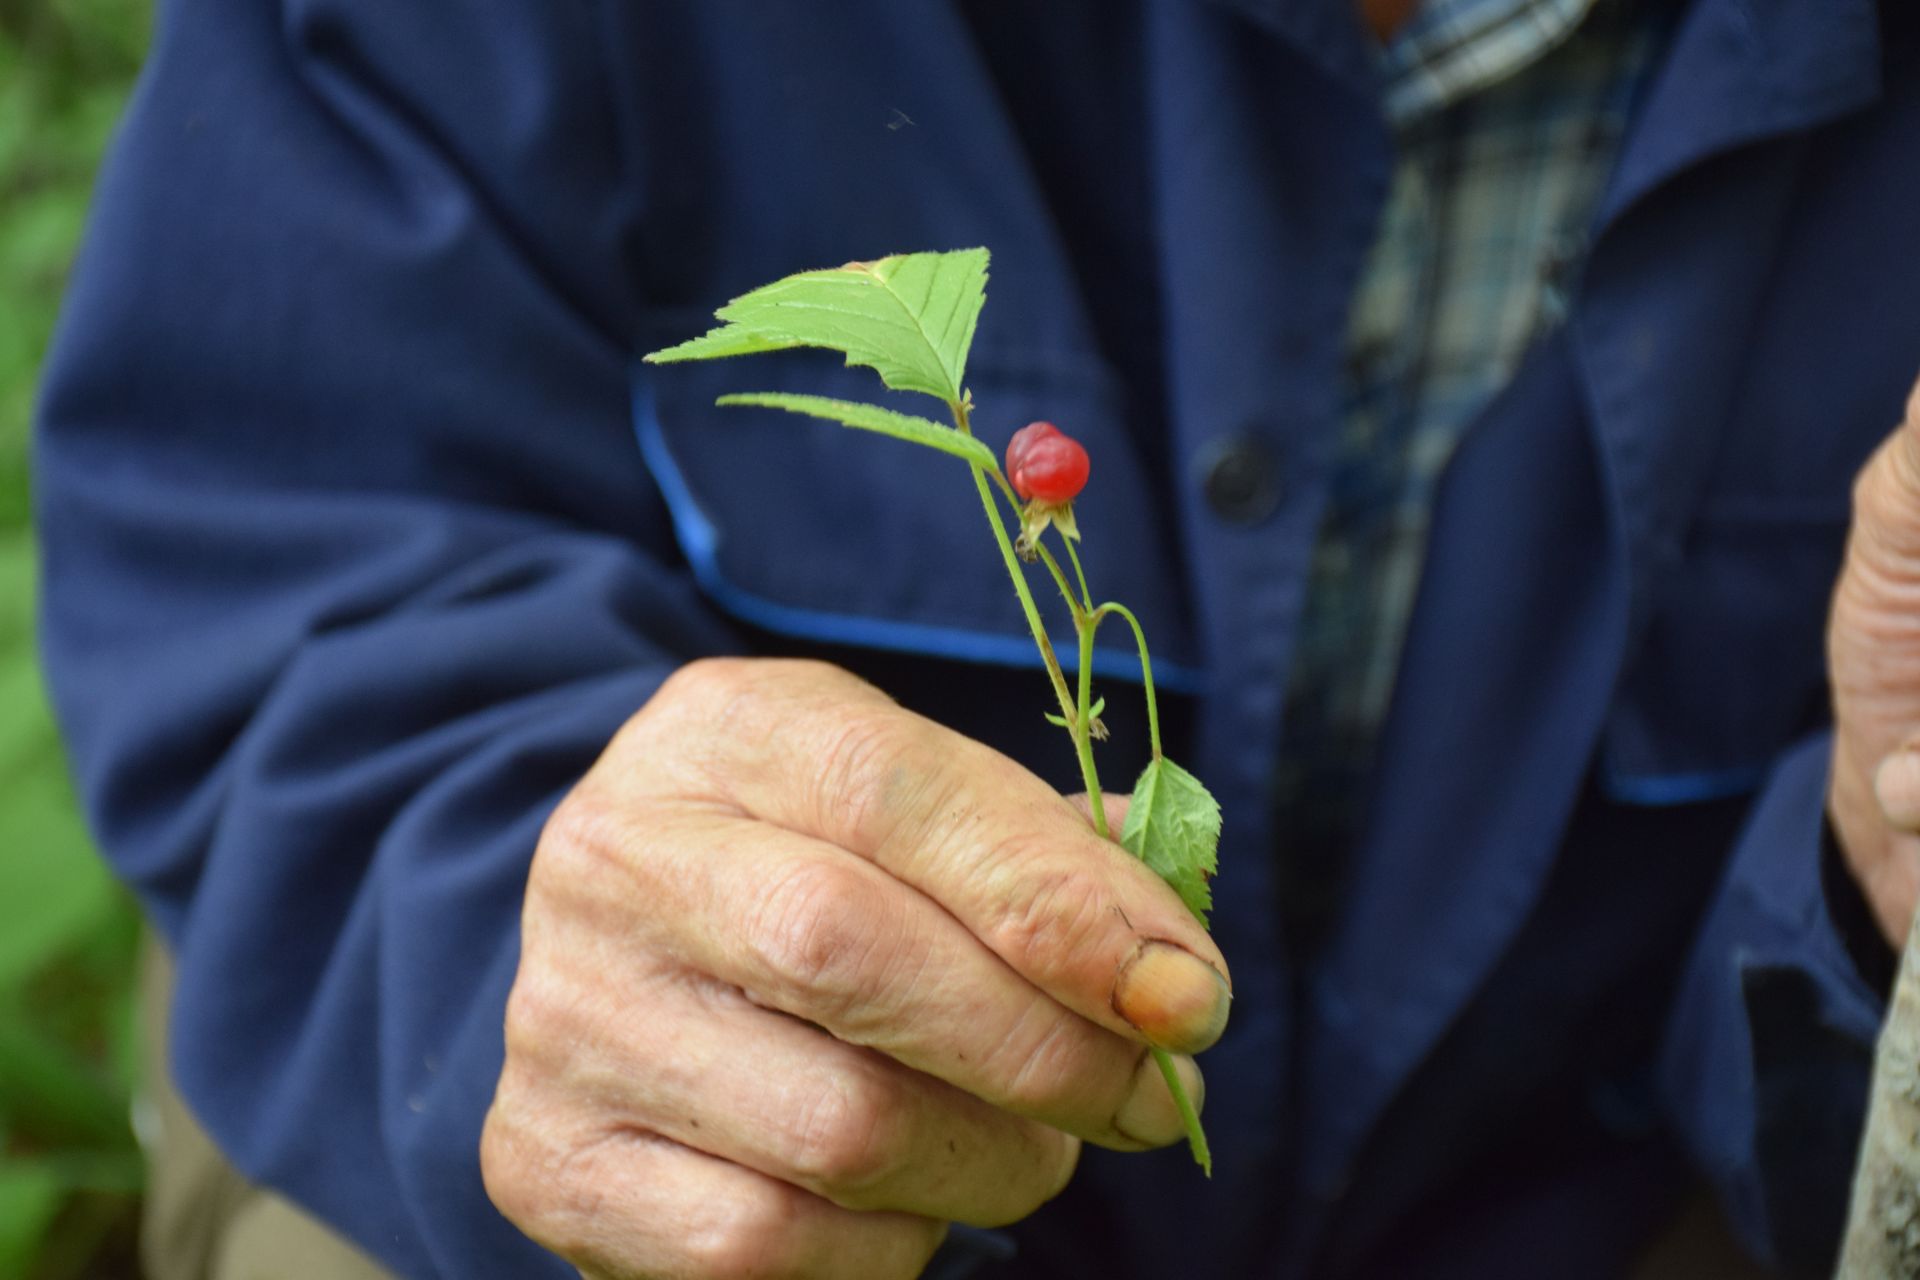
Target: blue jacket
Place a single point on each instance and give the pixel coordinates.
(363, 532)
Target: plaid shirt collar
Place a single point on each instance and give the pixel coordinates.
(1452, 48)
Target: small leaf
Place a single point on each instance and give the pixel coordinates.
(910, 317)
(871, 417)
(1173, 825)
(1093, 714)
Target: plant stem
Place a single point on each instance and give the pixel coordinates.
(1074, 607)
(1068, 705)
(1146, 667)
(1083, 728)
(1079, 721)
(1027, 606)
(1073, 554)
(1196, 1136)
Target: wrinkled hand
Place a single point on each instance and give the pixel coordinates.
(806, 977)
(1873, 648)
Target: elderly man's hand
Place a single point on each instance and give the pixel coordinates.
(806, 977)
(1873, 646)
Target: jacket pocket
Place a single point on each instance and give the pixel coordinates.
(806, 529)
(1732, 668)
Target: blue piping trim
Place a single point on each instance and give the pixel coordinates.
(1661, 790)
(700, 540)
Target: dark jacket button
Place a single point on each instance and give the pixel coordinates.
(1240, 481)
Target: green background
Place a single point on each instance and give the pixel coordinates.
(69, 1171)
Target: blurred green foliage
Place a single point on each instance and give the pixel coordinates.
(69, 1170)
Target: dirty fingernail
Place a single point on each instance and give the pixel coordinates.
(1149, 1116)
(1172, 997)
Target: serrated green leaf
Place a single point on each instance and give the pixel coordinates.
(716, 344)
(909, 317)
(871, 417)
(1173, 825)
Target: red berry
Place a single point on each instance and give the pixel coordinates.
(1046, 465)
(1024, 439)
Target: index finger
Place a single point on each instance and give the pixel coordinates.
(811, 748)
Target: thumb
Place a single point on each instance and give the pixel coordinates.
(1873, 634)
(1873, 662)
(1886, 501)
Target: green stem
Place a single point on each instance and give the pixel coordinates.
(1073, 554)
(1074, 607)
(1083, 728)
(1146, 667)
(1027, 606)
(1068, 706)
(1079, 722)
(1196, 1136)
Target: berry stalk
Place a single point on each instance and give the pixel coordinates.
(1076, 707)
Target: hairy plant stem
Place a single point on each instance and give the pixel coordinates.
(1073, 554)
(1075, 706)
(1076, 607)
(1027, 606)
(1146, 663)
(1083, 728)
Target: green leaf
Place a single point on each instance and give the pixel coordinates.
(1173, 825)
(871, 417)
(1094, 712)
(716, 344)
(909, 317)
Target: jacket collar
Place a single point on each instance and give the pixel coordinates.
(1328, 32)
(1738, 70)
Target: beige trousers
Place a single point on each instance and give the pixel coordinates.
(202, 1220)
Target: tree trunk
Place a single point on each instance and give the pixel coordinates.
(1883, 1227)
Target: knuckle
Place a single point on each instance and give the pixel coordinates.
(729, 690)
(533, 1019)
(818, 934)
(592, 863)
(699, 702)
(747, 1236)
(847, 1137)
(520, 1169)
(702, 682)
(873, 768)
(501, 1171)
(1048, 1071)
(525, 1021)
(557, 1190)
(1049, 913)
(582, 824)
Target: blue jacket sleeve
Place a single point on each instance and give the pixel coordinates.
(350, 564)
(1771, 1045)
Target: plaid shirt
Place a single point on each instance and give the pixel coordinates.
(1508, 114)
